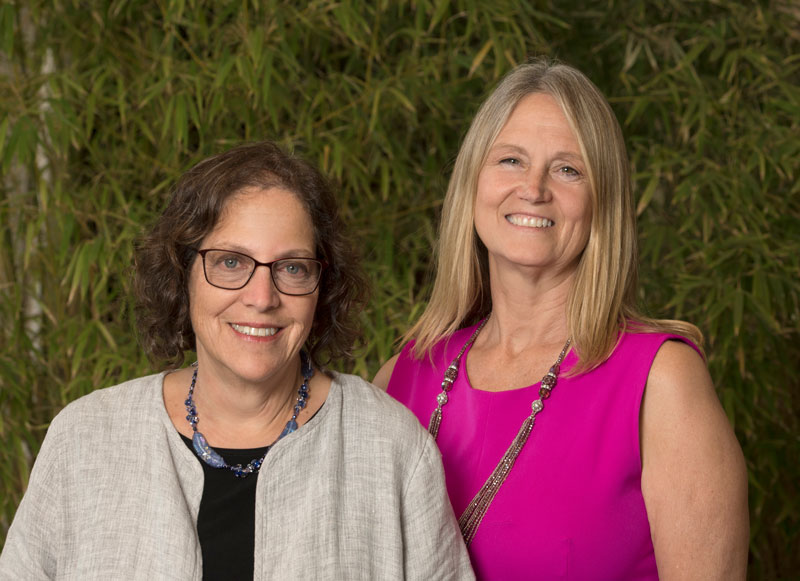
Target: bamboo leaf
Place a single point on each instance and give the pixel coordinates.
(476, 62)
(181, 126)
(439, 11)
(373, 117)
(738, 311)
(3, 132)
(647, 195)
(7, 18)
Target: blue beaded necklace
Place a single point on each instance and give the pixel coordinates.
(210, 456)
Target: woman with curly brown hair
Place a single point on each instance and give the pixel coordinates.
(254, 461)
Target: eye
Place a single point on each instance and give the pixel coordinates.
(510, 161)
(223, 260)
(294, 268)
(569, 171)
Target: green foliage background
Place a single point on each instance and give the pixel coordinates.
(104, 103)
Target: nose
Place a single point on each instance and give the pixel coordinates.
(535, 187)
(260, 291)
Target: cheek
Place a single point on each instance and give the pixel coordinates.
(205, 301)
(304, 316)
(493, 190)
(580, 209)
(487, 186)
(583, 225)
(484, 202)
(479, 222)
(194, 292)
(311, 311)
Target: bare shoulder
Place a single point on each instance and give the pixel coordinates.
(694, 478)
(680, 397)
(385, 373)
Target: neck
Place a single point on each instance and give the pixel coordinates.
(526, 311)
(243, 415)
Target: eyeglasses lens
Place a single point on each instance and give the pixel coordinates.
(232, 270)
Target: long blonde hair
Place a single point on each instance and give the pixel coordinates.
(602, 300)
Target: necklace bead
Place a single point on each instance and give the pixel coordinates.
(210, 456)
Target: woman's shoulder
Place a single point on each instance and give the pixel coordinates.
(440, 354)
(640, 339)
(447, 347)
(130, 399)
(363, 395)
(371, 424)
(373, 409)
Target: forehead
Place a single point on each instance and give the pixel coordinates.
(256, 211)
(265, 199)
(537, 113)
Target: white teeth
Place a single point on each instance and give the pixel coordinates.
(529, 221)
(255, 331)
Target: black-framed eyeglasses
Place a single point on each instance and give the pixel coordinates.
(231, 270)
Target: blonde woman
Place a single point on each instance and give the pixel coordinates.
(580, 438)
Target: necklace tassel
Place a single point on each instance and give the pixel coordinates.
(476, 509)
(436, 420)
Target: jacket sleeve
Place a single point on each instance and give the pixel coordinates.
(31, 548)
(434, 548)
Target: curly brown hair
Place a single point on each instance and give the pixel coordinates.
(164, 256)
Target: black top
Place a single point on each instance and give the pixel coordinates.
(226, 523)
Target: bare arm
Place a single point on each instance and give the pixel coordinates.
(694, 478)
(384, 373)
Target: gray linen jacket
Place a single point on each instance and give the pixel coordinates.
(357, 493)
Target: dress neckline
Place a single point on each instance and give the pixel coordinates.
(463, 377)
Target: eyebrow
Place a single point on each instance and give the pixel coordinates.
(506, 146)
(291, 253)
(564, 154)
(569, 155)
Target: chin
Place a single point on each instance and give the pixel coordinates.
(526, 260)
(252, 370)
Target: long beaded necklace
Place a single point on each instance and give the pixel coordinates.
(476, 509)
(210, 456)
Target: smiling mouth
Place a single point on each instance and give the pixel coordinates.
(529, 221)
(254, 331)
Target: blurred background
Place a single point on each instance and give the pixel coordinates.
(104, 103)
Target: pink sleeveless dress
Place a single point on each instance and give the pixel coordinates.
(572, 506)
